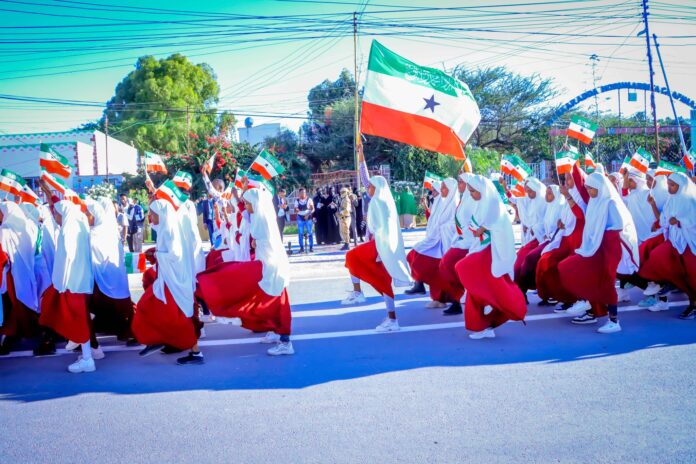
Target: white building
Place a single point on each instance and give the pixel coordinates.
(257, 134)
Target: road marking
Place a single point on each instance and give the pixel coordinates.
(339, 334)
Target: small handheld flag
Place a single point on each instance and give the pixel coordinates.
(55, 182)
(53, 162)
(171, 193)
(431, 179)
(210, 163)
(267, 165)
(154, 163)
(238, 178)
(11, 182)
(664, 169)
(590, 165)
(183, 180)
(582, 129)
(641, 160)
(27, 195)
(564, 162)
(513, 165)
(255, 181)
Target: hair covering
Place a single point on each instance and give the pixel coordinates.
(269, 247)
(72, 269)
(440, 230)
(567, 218)
(49, 237)
(637, 204)
(383, 222)
(41, 271)
(174, 264)
(659, 191)
(491, 214)
(682, 207)
(608, 212)
(192, 237)
(107, 253)
(17, 237)
(553, 213)
(462, 216)
(531, 210)
(618, 179)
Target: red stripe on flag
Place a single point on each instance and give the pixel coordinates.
(641, 167)
(54, 167)
(579, 136)
(261, 170)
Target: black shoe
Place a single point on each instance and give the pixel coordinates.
(585, 319)
(417, 289)
(311, 249)
(133, 342)
(689, 313)
(549, 302)
(45, 349)
(191, 358)
(170, 350)
(562, 309)
(453, 310)
(150, 349)
(345, 247)
(301, 250)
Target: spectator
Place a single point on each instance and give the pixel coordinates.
(122, 217)
(136, 220)
(208, 215)
(281, 208)
(304, 208)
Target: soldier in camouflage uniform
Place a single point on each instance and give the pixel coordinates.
(344, 212)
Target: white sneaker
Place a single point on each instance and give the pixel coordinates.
(229, 320)
(271, 337)
(487, 310)
(435, 305)
(282, 348)
(610, 327)
(97, 354)
(485, 333)
(82, 365)
(462, 300)
(659, 306)
(623, 295)
(207, 318)
(203, 334)
(354, 298)
(579, 308)
(652, 289)
(70, 346)
(388, 325)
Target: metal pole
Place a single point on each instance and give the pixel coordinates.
(106, 144)
(652, 80)
(356, 129)
(620, 135)
(671, 101)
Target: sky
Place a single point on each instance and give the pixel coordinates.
(267, 54)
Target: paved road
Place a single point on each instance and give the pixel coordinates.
(546, 391)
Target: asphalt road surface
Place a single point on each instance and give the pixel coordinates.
(546, 391)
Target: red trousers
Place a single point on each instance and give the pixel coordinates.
(66, 313)
(426, 269)
(548, 280)
(448, 274)
(665, 264)
(362, 264)
(18, 320)
(156, 322)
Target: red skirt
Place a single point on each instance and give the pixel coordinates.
(522, 254)
(526, 279)
(483, 289)
(18, 320)
(665, 264)
(426, 269)
(213, 258)
(244, 298)
(450, 279)
(155, 322)
(111, 315)
(66, 313)
(594, 278)
(648, 246)
(149, 277)
(362, 264)
(548, 280)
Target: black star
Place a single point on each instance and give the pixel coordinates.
(430, 103)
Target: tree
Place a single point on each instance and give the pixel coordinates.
(156, 103)
(329, 92)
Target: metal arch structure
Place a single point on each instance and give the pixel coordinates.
(615, 86)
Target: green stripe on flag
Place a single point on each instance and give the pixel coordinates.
(272, 160)
(13, 176)
(46, 148)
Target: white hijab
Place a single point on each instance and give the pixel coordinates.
(637, 204)
(174, 264)
(535, 209)
(491, 214)
(383, 222)
(192, 237)
(567, 217)
(440, 230)
(41, 272)
(466, 208)
(18, 238)
(107, 253)
(49, 237)
(72, 269)
(269, 246)
(553, 213)
(608, 212)
(659, 190)
(681, 206)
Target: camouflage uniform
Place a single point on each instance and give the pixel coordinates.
(344, 211)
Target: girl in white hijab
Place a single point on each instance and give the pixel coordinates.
(41, 272)
(20, 303)
(425, 257)
(609, 234)
(463, 240)
(165, 313)
(531, 210)
(381, 262)
(674, 260)
(64, 305)
(259, 297)
(492, 298)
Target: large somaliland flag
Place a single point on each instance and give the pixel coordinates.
(416, 105)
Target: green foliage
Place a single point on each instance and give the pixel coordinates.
(286, 148)
(327, 93)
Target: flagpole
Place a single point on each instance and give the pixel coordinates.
(356, 133)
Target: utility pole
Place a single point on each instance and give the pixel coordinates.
(646, 31)
(595, 59)
(356, 129)
(188, 131)
(671, 101)
(106, 143)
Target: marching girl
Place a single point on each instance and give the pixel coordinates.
(464, 238)
(18, 287)
(165, 313)
(64, 305)
(609, 236)
(531, 210)
(569, 237)
(426, 255)
(381, 262)
(418, 288)
(674, 260)
(492, 298)
(259, 297)
(41, 272)
(110, 301)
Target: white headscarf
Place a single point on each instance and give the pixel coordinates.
(192, 237)
(637, 204)
(536, 208)
(18, 238)
(72, 269)
(491, 214)
(49, 236)
(440, 230)
(107, 253)
(659, 190)
(383, 222)
(174, 264)
(681, 206)
(269, 246)
(568, 219)
(554, 212)
(466, 208)
(608, 212)
(41, 272)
